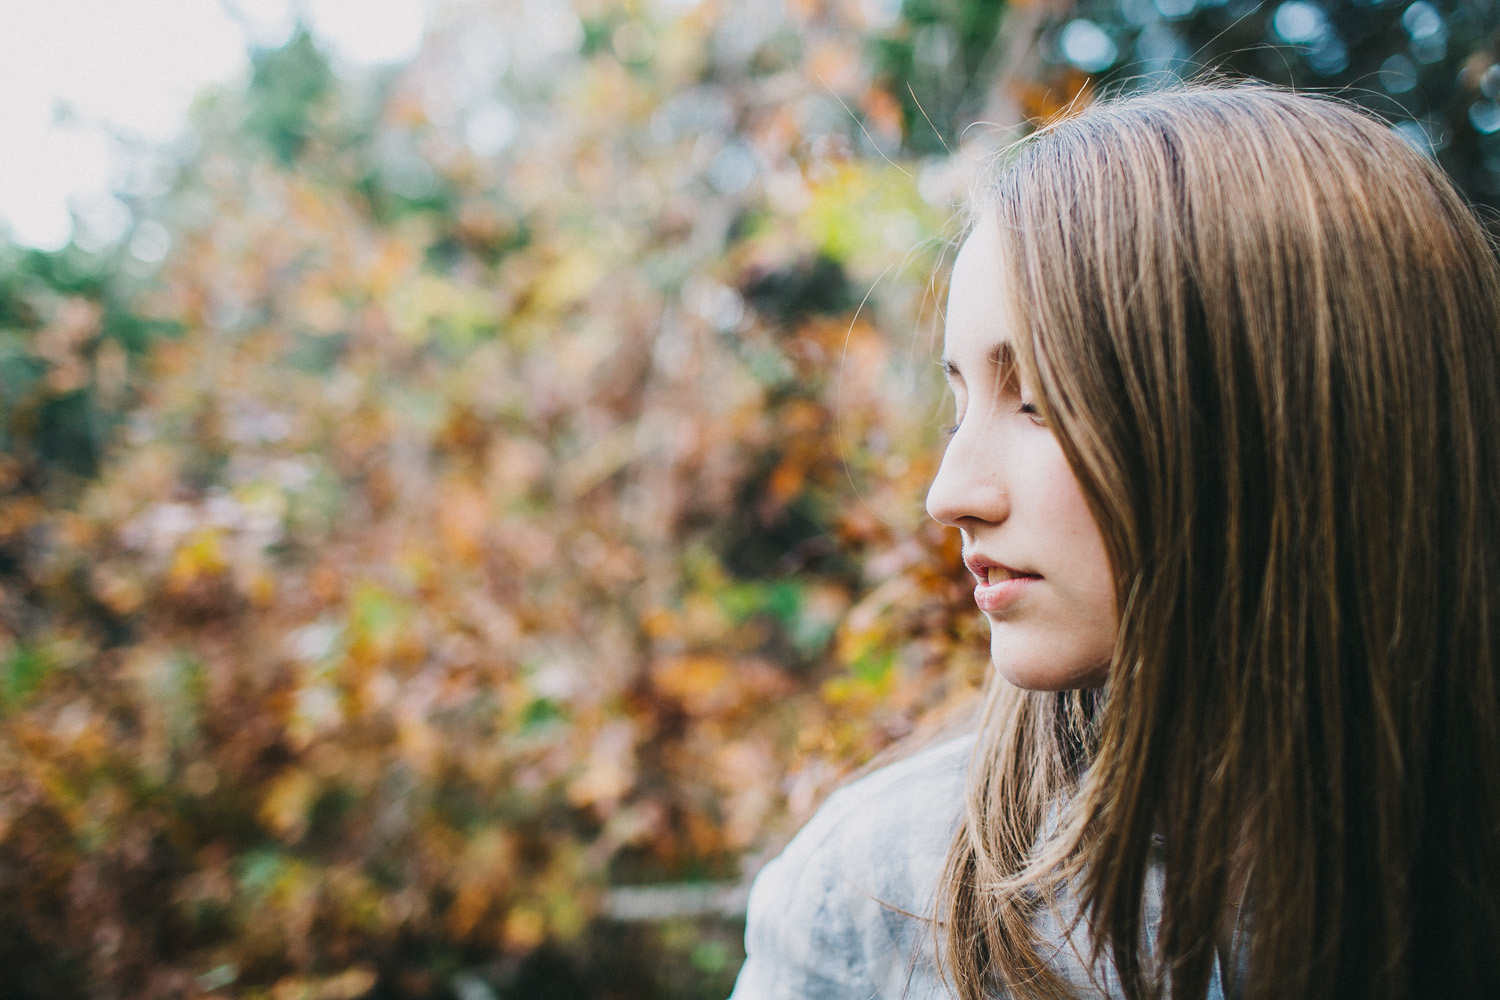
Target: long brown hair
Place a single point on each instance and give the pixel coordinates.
(1266, 333)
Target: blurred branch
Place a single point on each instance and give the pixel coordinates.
(630, 904)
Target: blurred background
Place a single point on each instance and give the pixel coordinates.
(461, 463)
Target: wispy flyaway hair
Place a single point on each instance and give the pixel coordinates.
(1266, 332)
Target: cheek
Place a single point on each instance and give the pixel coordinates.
(1078, 543)
(1062, 498)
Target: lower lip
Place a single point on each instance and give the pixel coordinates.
(997, 596)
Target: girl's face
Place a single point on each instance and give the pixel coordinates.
(1044, 580)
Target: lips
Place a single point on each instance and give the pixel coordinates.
(988, 571)
(999, 586)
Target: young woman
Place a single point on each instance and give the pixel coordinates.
(1227, 471)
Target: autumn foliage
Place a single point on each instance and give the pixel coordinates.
(468, 531)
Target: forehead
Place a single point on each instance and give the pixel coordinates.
(979, 317)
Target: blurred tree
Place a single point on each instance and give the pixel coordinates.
(1429, 68)
(67, 334)
(522, 501)
(938, 63)
(1432, 69)
(288, 88)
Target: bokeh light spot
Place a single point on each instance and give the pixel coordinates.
(1085, 45)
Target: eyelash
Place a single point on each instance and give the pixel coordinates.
(1029, 409)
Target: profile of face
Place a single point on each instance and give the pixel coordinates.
(1042, 573)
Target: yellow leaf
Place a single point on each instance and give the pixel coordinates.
(569, 279)
(286, 805)
(348, 985)
(525, 928)
(201, 555)
(703, 684)
(462, 514)
(610, 770)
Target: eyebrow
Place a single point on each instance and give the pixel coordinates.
(1002, 357)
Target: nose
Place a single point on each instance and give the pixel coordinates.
(969, 486)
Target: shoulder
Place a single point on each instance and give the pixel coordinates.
(845, 908)
(889, 824)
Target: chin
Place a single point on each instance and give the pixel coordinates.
(1039, 672)
(1034, 681)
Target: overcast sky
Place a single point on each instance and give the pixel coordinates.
(81, 79)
